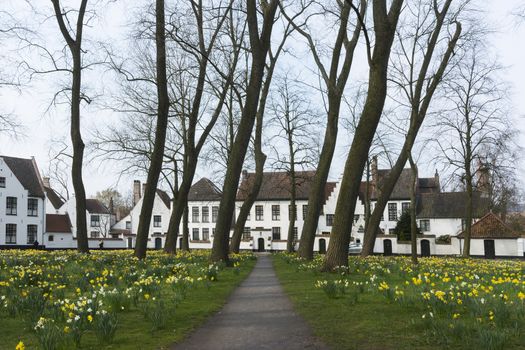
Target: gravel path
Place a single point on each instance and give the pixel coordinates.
(258, 315)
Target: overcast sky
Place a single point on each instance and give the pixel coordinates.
(41, 127)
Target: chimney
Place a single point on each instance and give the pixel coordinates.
(436, 181)
(111, 206)
(374, 170)
(483, 179)
(244, 174)
(136, 191)
(46, 182)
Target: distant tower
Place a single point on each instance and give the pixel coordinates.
(136, 192)
(483, 174)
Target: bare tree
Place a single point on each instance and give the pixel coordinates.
(475, 123)
(385, 23)
(420, 61)
(295, 121)
(163, 104)
(260, 44)
(334, 79)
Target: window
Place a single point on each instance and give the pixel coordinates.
(194, 214)
(424, 225)
(94, 234)
(391, 231)
(10, 206)
(213, 232)
(361, 229)
(95, 221)
(276, 212)
(50, 238)
(214, 214)
(128, 225)
(295, 234)
(205, 234)
(10, 233)
(32, 207)
(247, 233)
(356, 218)
(157, 220)
(276, 233)
(259, 212)
(305, 211)
(31, 233)
(392, 211)
(290, 211)
(405, 206)
(329, 219)
(2, 182)
(195, 234)
(205, 214)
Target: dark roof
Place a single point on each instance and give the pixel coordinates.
(58, 223)
(490, 226)
(404, 184)
(26, 172)
(164, 197)
(450, 205)
(204, 190)
(94, 206)
(277, 186)
(53, 197)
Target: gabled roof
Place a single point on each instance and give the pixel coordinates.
(58, 223)
(53, 197)
(450, 205)
(164, 197)
(27, 174)
(94, 206)
(278, 185)
(404, 184)
(490, 226)
(204, 190)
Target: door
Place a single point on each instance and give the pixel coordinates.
(490, 249)
(158, 243)
(260, 245)
(130, 243)
(322, 246)
(180, 243)
(387, 247)
(425, 247)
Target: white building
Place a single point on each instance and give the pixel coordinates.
(127, 227)
(22, 202)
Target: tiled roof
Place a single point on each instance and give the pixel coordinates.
(94, 206)
(277, 186)
(204, 190)
(53, 197)
(164, 197)
(58, 223)
(26, 172)
(404, 183)
(450, 205)
(490, 226)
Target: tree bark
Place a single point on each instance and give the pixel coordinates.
(75, 46)
(413, 210)
(157, 155)
(385, 23)
(259, 49)
(185, 231)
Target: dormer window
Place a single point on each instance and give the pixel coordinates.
(10, 206)
(2, 182)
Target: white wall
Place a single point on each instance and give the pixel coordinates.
(15, 189)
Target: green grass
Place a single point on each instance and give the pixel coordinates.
(134, 330)
(366, 319)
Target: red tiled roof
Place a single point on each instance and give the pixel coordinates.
(58, 223)
(94, 206)
(491, 226)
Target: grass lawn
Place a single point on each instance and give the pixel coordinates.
(385, 303)
(155, 304)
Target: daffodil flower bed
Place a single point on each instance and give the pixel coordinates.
(64, 300)
(439, 303)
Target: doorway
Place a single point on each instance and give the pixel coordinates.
(260, 245)
(322, 246)
(387, 247)
(490, 249)
(130, 243)
(158, 243)
(425, 248)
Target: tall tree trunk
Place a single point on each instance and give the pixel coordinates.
(468, 218)
(259, 49)
(185, 231)
(75, 46)
(157, 155)
(413, 209)
(385, 23)
(293, 192)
